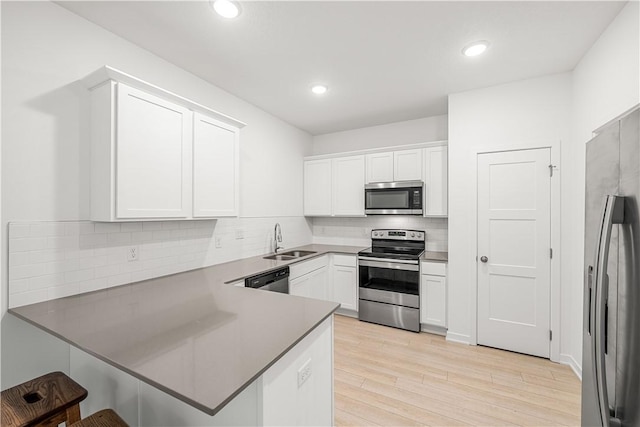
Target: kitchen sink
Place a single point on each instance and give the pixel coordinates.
(286, 256)
(280, 257)
(298, 254)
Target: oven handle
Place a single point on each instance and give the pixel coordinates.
(396, 265)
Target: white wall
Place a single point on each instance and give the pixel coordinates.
(606, 83)
(511, 116)
(401, 133)
(46, 50)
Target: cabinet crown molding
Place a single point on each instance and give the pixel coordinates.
(107, 73)
(418, 145)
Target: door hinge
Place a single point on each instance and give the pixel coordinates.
(551, 253)
(551, 168)
(550, 335)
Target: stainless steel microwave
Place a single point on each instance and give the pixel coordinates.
(394, 198)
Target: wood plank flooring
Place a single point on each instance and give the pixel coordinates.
(389, 377)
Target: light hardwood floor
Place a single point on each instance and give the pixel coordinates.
(389, 377)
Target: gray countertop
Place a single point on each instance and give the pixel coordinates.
(230, 334)
(435, 256)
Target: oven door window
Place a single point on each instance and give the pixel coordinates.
(392, 280)
(387, 199)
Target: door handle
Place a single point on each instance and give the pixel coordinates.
(484, 258)
(613, 213)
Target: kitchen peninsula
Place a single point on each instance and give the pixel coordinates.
(190, 349)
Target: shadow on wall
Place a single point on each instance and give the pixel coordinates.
(66, 156)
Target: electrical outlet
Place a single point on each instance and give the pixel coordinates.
(133, 253)
(304, 373)
(218, 242)
(239, 234)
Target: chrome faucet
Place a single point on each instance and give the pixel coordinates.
(277, 238)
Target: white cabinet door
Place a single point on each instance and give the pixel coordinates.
(436, 181)
(380, 167)
(345, 287)
(311, 285)
(317, 187)
(287, 400)
(301, 286)
(215, 168)
(433, 300)
(348, 186)
(153, 157)
(407, 165)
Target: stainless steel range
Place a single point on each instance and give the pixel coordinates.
(389, 279)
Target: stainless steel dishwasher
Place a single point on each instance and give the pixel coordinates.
(274, 281)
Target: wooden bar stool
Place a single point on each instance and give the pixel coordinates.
(104, 418)
(44, 401)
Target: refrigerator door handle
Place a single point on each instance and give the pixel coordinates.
(613, 214)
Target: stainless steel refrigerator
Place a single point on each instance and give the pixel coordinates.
(611, 333)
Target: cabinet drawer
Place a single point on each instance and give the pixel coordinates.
(344, 260)
(306, 267)
(434, 268)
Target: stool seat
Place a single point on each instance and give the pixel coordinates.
(104, 418)
(44, 401)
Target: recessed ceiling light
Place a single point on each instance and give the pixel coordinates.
(226, 8)
(319, 89)
(475, 48)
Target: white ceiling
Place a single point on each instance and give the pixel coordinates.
(384, 61)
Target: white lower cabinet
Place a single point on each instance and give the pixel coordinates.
(298, 389)
(329, 277)
(310, 278)
(311, 285)
(344, 284)
(433, 295)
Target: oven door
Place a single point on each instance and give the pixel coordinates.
(389, 292)
(393, 198)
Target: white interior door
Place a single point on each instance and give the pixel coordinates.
(514, 266)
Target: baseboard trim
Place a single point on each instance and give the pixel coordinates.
(567, 359)
(430, 329)
(459, 338)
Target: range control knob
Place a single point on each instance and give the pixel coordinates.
(375, 233)
(413, 234)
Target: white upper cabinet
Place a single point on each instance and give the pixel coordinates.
(348, 186)
(389, 166)
(156, 155)
(318, 187)
(435, 181)
(407, 165)
(215, 168)
(334, 187)
(153, 149)
(380, 167)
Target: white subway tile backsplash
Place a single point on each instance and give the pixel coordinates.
(357, 231)
(56, 259)
(17, 286)
(20, 230)
(131, 226)
(106, 227)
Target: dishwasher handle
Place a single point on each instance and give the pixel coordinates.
(267, 278)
